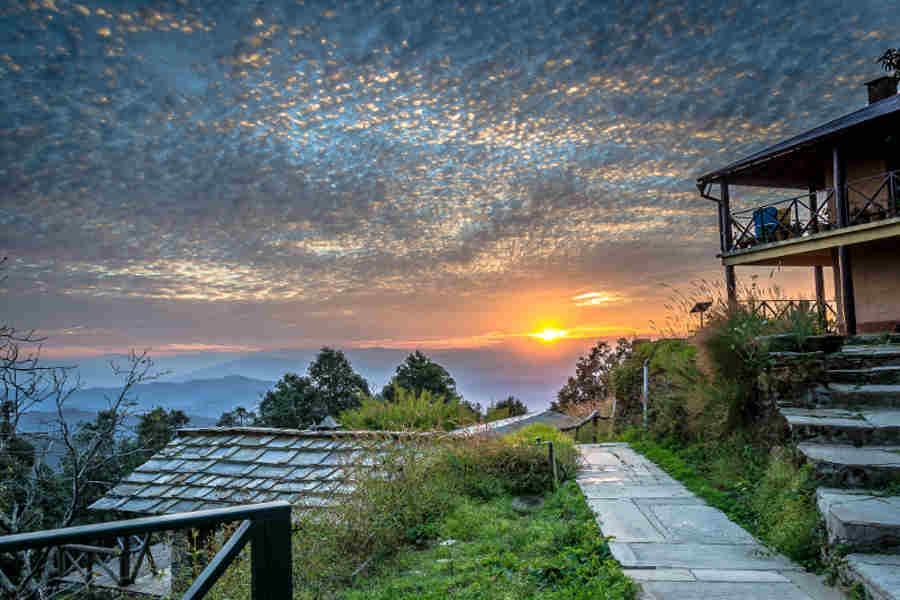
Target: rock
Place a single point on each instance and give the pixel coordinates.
(527, 504)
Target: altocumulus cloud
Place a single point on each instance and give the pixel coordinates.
(285, 152)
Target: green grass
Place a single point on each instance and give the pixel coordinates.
(553, 553)
(384, 540)
(481, 549)
(761, 489)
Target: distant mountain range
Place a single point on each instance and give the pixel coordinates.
(207, 398)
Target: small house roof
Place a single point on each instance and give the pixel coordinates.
(504, 426)
(210, 468)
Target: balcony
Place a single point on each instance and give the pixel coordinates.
(812, 216)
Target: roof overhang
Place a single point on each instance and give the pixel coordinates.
(797, 162)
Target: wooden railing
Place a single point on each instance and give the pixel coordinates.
(592, 418)
(122, 562)
(870, 199)
(823, 312)
(267, 527)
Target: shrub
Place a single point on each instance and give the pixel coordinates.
(409, 412)
(514, 464)
(784, 500)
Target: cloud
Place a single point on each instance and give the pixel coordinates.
(378, 157)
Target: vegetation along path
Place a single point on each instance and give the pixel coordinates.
(676, 545)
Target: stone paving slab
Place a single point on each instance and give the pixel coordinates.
(859, 519)
(707, 590)
(703, 524)
(624, 521)
(674, 544)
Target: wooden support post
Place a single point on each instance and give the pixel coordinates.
(725, 206)
(819, 277)
(847, 290)
(843, 214)
(595, 419)
(838, 298)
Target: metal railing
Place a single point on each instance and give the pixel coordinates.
(814, 212)
(267, 527)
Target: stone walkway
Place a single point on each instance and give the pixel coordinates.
(674, 544)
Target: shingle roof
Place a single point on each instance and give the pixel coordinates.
(218, 467)
(817, 135)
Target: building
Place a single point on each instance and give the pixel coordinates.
(203, 469)
(844, 179)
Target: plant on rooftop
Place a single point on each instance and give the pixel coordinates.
(890, 60)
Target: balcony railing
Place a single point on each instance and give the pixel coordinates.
(870, 199)
(266, 526)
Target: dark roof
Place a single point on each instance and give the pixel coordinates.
(504, 426)
(751, 167)
(219, 467)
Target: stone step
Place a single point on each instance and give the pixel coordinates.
(872, 339)
(864, 357)
(847, 395)
(889, 375)
(833, 425)
(851, 466)
(878, 573)
(860, 520)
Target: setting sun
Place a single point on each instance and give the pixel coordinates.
(550, 335)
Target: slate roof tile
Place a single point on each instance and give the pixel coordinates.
(215, 467)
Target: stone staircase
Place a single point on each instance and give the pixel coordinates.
(844, 417)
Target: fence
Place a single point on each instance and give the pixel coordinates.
(267, 527)
(823, 312)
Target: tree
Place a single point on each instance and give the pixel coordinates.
(511, 407)
(36, 497)
(293, 403)
(419, 373)
(157, 428)
(330, 387)
(117, 456)
(336, 382)
(592, 375)
(239, 417)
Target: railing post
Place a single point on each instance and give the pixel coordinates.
(270, 553)
(892, 194)
(813, 210)
(124, 561)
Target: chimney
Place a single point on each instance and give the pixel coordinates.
(881, 88)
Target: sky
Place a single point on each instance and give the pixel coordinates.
(198, 177)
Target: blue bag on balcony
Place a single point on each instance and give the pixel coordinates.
(765, 221)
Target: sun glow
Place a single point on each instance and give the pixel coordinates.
(550, 335)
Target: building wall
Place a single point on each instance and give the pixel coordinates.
(876, 284)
